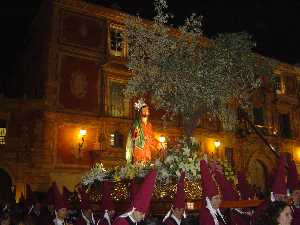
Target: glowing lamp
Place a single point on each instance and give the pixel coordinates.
(217, 143)
(190, 205)
(82, 133)
(297, 154)
(162, 139)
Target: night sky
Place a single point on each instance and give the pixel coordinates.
(274, 26)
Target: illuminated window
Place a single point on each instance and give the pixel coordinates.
(2, 132)
(116, 140)
(112, 139)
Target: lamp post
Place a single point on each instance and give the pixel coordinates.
(82, 134)
(163, 146)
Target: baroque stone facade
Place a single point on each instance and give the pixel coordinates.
(73, 83)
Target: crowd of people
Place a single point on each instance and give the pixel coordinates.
(281, 208)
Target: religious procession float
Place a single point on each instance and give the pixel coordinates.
(182, 157)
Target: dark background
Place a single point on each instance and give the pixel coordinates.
(273, 25)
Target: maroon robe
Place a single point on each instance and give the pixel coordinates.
(205, 218)
(46, 216)
(123, 221)
(238, 218)
(296, 215)
(52, 223)
(81, 221)
(170, 221)
(103, 221)
(259, 210)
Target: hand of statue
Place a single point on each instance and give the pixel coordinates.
(136, 133)
(161, 146)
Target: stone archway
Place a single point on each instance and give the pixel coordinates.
(5, 187)
(260, 165)
(258, 174)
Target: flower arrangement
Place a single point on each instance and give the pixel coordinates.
(228, 171)
(97, 173)
(184, 157)
(129, 171)
(223, 166)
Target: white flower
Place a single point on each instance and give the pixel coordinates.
(158, 163)
(139, 104)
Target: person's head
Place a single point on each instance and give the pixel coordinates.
(5, 220)
(296, 196)
(62, 213)
(37, 206)
(88, 213)
(137, 215)
(145, 112)
(111, 213)
(285, 216)
(51, 208)
(21, 223)
(178, 212)
(26, 221)
(277, 213)
(216, 201)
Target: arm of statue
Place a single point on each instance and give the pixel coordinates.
(129, 148)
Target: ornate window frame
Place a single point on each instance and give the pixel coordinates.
(127, 112)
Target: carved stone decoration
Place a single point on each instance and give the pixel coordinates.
(25, 138)
(38, 131)
(83, 31)
(79, 84)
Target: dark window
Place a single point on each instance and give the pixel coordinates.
(229, 156)
(118, 104)
(258, 115)
(2, 132)
(285, 130)
(116, 42)
(277, 85)
(290, 85)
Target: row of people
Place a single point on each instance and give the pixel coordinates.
(215, 189)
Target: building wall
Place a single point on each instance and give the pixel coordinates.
(78, 73)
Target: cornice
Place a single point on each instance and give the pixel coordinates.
(92, 9)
